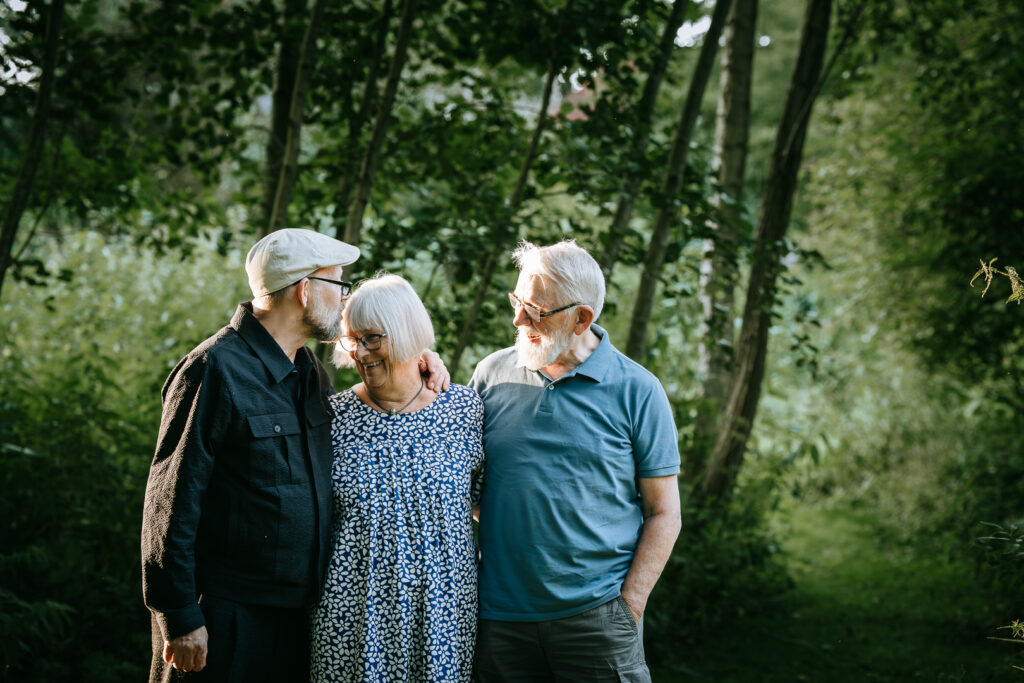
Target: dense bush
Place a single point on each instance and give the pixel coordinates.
(82, 363)
(724, 566)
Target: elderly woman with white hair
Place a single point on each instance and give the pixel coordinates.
(399, 602)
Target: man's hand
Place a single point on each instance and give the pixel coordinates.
(659, 497)
(636, 605)
(438, 378)
(187, 652)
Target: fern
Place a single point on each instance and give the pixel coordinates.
(990, 271)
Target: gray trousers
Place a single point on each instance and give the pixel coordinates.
(601, 644)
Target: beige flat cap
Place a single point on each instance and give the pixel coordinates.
(286, 256)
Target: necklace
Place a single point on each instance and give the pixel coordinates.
(395, 411)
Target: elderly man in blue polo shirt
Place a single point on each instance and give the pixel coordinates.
(581, 505)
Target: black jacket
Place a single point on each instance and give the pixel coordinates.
(238, 498)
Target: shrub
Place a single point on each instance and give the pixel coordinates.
(82, 363)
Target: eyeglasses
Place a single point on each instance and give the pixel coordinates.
(532, 312)
(370, 342)
(346, 287)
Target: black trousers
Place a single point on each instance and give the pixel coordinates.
(247, 644)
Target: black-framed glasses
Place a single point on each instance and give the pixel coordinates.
(370, 342)
(534, 313)
(346, 287)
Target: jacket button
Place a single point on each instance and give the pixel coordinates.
(277, 428)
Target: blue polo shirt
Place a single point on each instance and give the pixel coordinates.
(560, 514)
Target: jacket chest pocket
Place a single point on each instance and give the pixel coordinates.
(275, 449)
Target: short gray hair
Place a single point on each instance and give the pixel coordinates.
(571, 268)
(388, 303)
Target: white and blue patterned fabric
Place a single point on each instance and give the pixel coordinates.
(399, 602)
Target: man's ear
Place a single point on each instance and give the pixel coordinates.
(302, 292)
(584, 316)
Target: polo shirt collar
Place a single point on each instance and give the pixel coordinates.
(263, 345)
(597, 363)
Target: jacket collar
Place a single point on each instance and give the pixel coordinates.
(263, 345)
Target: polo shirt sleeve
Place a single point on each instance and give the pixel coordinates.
(476, 382)
(178, 478)
(655, 440)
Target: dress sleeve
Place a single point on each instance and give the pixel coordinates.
(178, 478)
(475, 441)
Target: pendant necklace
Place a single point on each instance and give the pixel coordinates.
(392, 412)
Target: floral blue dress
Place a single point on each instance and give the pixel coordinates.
(399, 602)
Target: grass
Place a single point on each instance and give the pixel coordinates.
(859, 611)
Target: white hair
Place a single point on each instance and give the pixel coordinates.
(573, 271)
(388, 304)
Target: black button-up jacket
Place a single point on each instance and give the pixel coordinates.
(238, 498)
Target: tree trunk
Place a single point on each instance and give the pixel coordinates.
(343, 196)
(290, 164)
(36, 138)
(718, 269)
(641, 135)
(368, 169)
(668, 212)
(501, 230)
(773, 219)
(280, 109)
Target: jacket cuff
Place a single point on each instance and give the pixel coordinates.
(178, 622)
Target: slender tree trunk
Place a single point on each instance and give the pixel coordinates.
(668, 211)
(502, 230)
(718, 269)
(641, 136)
(290, 164)
(368, 169)
(36, 138)
(773, 219)
(280, 108)
(343, 196)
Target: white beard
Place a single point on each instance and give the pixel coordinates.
(535, 356)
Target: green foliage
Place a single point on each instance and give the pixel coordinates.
(919, 388)
(724, 567)
(890, 386)
(1001, 550)
(79, 406)
(1016, 630)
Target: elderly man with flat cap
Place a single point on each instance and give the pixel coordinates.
(236, 523)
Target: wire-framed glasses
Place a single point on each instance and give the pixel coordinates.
(370, 342)
(534, 313)
(346, 287)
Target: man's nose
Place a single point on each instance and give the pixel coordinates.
(521, 318)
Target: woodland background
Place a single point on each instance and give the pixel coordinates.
(789, 199)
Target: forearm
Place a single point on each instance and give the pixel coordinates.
(653, 549)
(178, 476)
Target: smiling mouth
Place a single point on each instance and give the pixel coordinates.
(372, 365)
